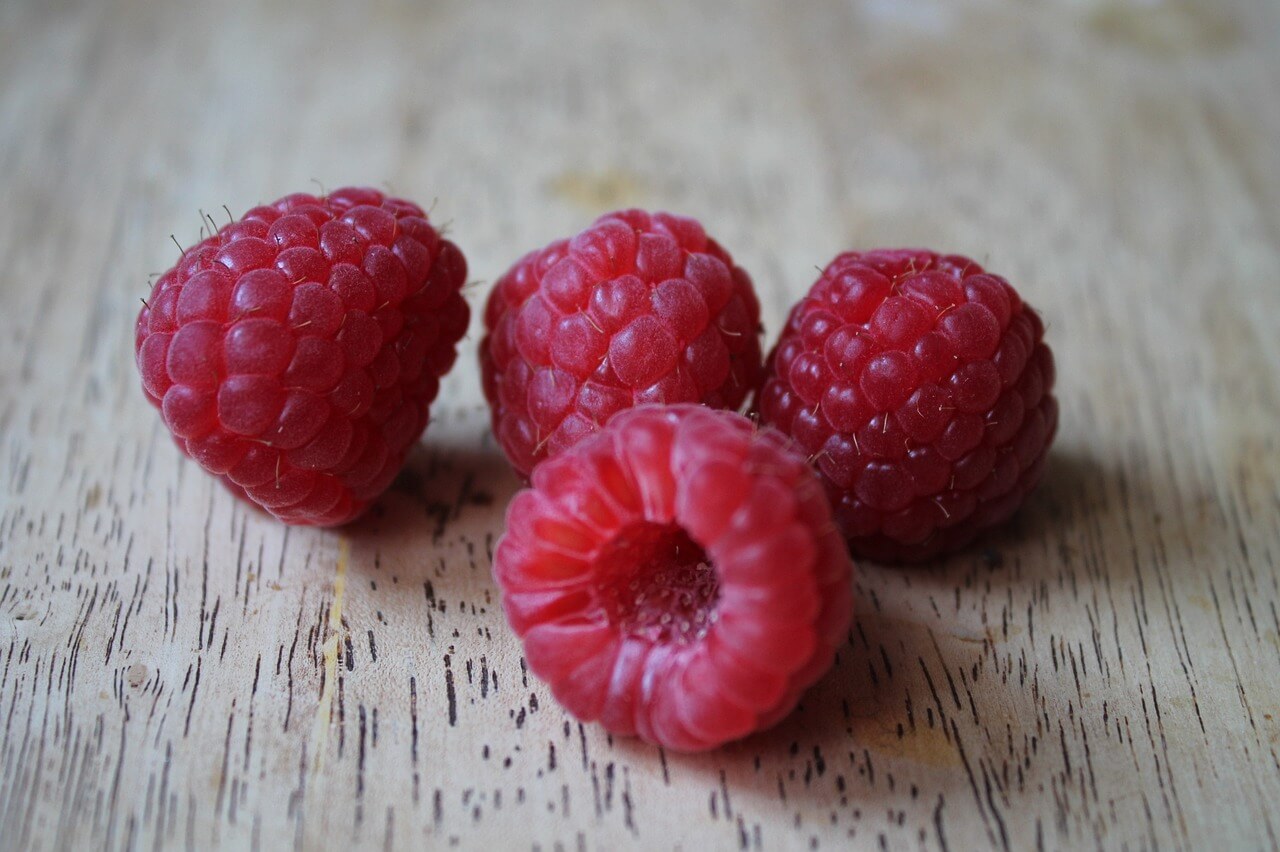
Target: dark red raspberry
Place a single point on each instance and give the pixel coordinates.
(676, 575)
(294, 353)
(638, 308)
(920, 387)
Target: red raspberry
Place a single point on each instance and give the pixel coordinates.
(676, 575)
(920, 387)
(294, 353)
(637, 308)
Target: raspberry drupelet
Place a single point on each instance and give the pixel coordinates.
(920, 386)
(294, 353)
(676, 576)
(639, 308)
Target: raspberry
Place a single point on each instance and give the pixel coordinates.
(677, 576)
(294, 353)
(638, 308)
(920, 387)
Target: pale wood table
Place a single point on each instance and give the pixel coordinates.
(177, 671)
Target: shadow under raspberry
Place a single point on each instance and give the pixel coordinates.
(1073, 487)
(446, 507)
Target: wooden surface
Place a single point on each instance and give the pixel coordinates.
(177, 671)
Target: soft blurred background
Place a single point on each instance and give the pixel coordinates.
(1062, 140)
(1102, 676)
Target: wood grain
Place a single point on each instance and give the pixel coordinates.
(177, 671)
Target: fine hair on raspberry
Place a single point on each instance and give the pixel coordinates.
(921, 388)
(295, 352)
(676, 576)
(638, 308)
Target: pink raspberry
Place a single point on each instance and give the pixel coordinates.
(639, 308)
(677, 576)
(921, 388)
(294, 353)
